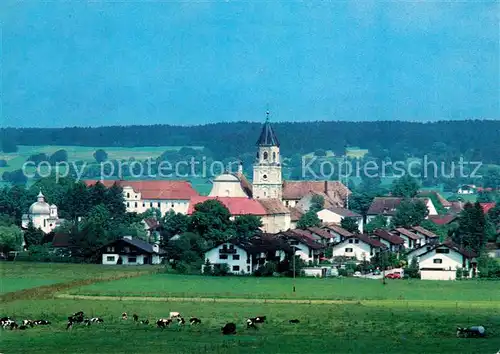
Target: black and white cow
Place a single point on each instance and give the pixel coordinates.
(174, 315)
(474, 331)
(135, 317)
(229, 328)
(124, 316)
(27, 323)
(259, 319)
(77, 317)
(181, 321)
(41, 322)
(146, 322)
(163, 322)
(194, 320)
(294, 321)
(96, 320)
(251, 323)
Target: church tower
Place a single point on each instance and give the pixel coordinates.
(267, 181)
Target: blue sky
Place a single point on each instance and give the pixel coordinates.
(196, 62)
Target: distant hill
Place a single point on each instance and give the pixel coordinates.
(474, 139)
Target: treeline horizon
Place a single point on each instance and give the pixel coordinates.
(478, 139)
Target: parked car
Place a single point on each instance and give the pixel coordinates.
(395, 275)
(357, 274)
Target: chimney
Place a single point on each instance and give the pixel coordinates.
(127, 237)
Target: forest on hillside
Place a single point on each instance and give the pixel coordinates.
(475, 140)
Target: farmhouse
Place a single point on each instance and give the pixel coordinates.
(337, 214)
(141, 196)
(131, 251)
(358, 246)
(42, 215)
(442, 261)
(387, 206)
(246, 256)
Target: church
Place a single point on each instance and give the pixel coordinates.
(42, 215)
(278, 203)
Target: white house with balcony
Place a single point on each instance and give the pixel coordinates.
(359, 247)
(130, 251)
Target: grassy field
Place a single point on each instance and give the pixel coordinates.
(25, 275)
(380, 326)
(169, 285)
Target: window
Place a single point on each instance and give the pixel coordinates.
(442, 250)
(236, 268)
(248, 260)
(274, 156)
(231, 247)
(348, 250)
(128, 195)
(151, 204)
(356, 241)
(110, 249)
(135, 204)
(110, 258)
(50, 225)
(159, 205)
(236, 257)
(351, 240)
(128, 204)
(126, 249)
(143, 205)
(132, 259)
(248, 268)
(264, 177)
(438, 261)
(287, 203)
(172, 205)
(222, 256)
(265, 155)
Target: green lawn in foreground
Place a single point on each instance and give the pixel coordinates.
(170, 285)
(323, 329)
(24, 275)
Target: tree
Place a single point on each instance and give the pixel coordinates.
(58, 156)
(405, 187)
(98, 193)
(3, 163)
(15, 177)
(488, 267)
(173, 224)
(360, 202)
(410, 213)
(7, 145)
(309, 219)
(412, 270)
(11, 238)
(247, 226)
(77, 201)
(471, 232)
(378, 222)
(485, 197)
(115, 201)
(320, 153)
(211, 220)
(317, 203)
(350, 224)
(100, 155)
(33, 235)
(152, 213)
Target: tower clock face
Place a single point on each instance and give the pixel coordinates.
(264, 176)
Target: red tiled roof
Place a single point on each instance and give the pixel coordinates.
(274, 206)
(408, 233)
(154, 189)
(487, 206)
(344, 212)
(302, 237)
(245, 184)
(235, 205)
(442, 219)
(386, 235)
(320, 232)
(367, 239)
(298, 189)
(151, 223)
(339, 230)
(424, 232)
(442, 200)
(388, 205)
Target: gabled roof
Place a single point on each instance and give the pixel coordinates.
(296, 213)
(245, 184)
(273, 206)
(442, 219)
(154, 189)
(487, 206)
(445, 203)
(334, 190)
(140, 244)
(151, 223)
(261, 243)
(339, 230)
(235, 205)
(386, 235)
(408, 233)
(267, 136)
(303, 237)
(344, 212)
(320, 232)
(368, 240)
(388, 205)
(453, 246)
(424, 232)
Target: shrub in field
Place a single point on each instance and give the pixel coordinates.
(412, 271)
(267, 270)
(459, 273)
(220, 269)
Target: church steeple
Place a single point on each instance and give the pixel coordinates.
(267, 136)
(267, 182)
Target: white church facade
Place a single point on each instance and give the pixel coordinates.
(42, 215)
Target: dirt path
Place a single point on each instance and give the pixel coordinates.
(48, 291)
(394, 303)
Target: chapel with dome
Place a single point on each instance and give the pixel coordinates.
(42, 215)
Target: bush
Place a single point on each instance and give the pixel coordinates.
(220, 270)
(267, 270)
(3, 163)
(459, 273)
(343, 272)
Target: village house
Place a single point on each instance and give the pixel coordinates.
(393, 242)
(305, 245)
(42, 215)
(300, 193)
(426, 236)
(338, 233)
(320, 235)
(442, 261)
(387, 206)
(411, 239)
(129, 250)
(295, 215)
(140, 196)
(246, 256)
(360, 247)
(337, 214)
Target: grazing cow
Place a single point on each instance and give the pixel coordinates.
(13, 326)
(145, 322)
(124, 316)
(28, 323)
(194, 320)
(181, 321)
(8, 323)
(3, 319)
(474, 331)
(163, 322)
(294, 321)
(22, 327)
(87, 322)
(96, 320)
(76, 317)
(136, 318)
(174, 315)
(69, 325)
(229, 328)
(259, 319)
(251, 323)
(42, 322)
